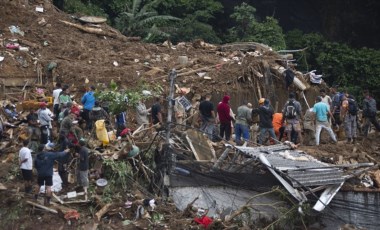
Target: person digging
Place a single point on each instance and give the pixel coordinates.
(44, 163)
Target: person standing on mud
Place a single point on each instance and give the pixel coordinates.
(56, 92)
(88, 101)
(335, 107)
(225, 118)
(45, 123)
(206, 110)
(83, 165)
(369, 113)
(44, 163)
(266, 117)
(321, 111)
(292, 114)
(243, 120)
(142, 113)
(26, 165)
(349, 112)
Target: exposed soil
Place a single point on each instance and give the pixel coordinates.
(80, 56)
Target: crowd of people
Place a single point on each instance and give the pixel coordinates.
(260, 125)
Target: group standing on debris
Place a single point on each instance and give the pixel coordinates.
(259, 125)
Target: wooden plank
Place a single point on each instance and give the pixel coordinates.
(42, 207)
(199, 145)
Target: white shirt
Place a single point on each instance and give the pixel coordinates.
(56, 93)
(25, 153)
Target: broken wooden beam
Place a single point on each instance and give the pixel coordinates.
(102, 211)
(42, 207)
(99, 31)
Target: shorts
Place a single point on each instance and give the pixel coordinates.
(45, 180)
(82, 177)
(293, 124)
(27, 174)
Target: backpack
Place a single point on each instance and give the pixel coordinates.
(371, 108)
(352, 107)
(290, 110)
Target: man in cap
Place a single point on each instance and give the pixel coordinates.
(266, 116)
(44, 163)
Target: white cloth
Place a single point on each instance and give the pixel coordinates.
(57, 184)
(56, 93)
(25, 153)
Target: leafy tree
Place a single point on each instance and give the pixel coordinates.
(244, 18)
(143, 20)
(267, 32)
(248, 29)
(86, 8)
(190, 29)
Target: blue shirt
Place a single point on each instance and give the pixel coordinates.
(88, 100)
(321, 110)
(44, 162)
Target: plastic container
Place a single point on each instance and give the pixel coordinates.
(298, 83)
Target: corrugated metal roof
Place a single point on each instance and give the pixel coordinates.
(285, 160)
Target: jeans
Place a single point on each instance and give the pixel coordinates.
(324, 125)
(208, 127)
(263, 131)
(240, 130)
(350, 126)
(225, 130)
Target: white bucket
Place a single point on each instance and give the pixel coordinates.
(299, 84)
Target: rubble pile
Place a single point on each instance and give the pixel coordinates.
(40, 46)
